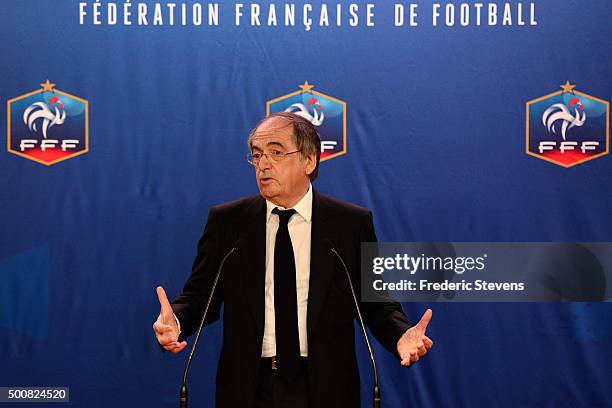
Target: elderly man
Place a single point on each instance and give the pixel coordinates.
(288, 325)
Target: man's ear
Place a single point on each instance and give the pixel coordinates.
(311, 163)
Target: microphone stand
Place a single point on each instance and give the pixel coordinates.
(183, 395)
(376, 390)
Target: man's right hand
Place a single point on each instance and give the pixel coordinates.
(165, 328)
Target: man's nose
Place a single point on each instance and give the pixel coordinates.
(264, 162)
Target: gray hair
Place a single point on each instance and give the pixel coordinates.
(305, 136)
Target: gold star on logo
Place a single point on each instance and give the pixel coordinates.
(568, 87)
(306, 87)
(47, 86)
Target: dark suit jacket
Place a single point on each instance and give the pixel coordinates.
(332, 365)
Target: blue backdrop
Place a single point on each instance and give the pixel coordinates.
(435, 140)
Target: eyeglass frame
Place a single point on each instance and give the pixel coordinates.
(280, 156)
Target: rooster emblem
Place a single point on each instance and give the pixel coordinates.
(560, 112)
(42, 111)
(317, 116)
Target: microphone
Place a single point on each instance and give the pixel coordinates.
(376, 389)
(183, 393)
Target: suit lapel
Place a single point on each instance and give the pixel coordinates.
(322, 262)
(255, 265)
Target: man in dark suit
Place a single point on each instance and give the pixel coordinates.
(288, 325)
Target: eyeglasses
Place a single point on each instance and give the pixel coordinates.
(273, 155)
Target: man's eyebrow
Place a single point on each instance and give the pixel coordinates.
(279, 144)
(271, 143)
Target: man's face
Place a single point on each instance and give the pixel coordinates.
(282, 182)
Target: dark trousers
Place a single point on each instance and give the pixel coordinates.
(273, 391)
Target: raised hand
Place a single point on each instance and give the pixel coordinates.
(414, 344)
(165, 327)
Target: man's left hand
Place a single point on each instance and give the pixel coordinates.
(414, 344)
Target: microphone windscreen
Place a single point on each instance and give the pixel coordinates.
(328, 243)
(239, 243)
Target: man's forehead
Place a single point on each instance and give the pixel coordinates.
(271, 138)
(273, 132)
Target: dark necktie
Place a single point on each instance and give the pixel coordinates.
(285, 300)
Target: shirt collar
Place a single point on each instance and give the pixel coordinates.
(303, 207)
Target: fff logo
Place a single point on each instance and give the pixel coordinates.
(48, 125)
(567, 127)
(327, 113)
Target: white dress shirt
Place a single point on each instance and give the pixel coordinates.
(300, 227)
